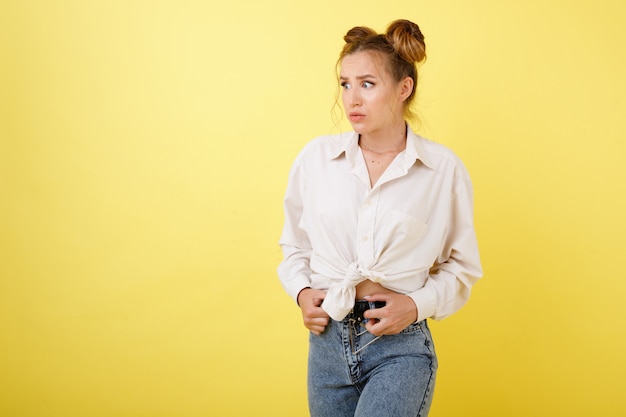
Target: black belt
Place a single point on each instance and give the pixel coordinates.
(361, 306)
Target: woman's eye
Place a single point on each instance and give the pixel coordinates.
(345, 85)
(367, 84)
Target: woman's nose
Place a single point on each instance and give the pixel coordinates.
(355, 98)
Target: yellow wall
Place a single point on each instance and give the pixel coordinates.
(143, 157)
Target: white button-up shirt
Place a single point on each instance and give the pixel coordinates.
(412, 232)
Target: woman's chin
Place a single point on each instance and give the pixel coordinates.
(358, 128)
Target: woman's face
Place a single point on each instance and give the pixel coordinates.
(372, 100)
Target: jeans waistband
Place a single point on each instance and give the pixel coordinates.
(361, 306)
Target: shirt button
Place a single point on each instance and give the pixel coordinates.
(365, 238)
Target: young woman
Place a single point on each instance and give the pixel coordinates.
(378, 237)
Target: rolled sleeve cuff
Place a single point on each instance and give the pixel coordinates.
(425, 300)
(297, 285)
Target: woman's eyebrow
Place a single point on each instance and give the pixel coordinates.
(359, 77)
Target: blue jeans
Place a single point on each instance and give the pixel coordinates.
(394, 376)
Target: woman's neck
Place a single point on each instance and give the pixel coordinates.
(389, 141)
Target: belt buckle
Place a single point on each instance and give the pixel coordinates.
(366, 305)
(363, 306)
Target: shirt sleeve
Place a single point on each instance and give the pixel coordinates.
(294, 271)
(457, 268)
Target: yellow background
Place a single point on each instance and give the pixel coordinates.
(144, 154)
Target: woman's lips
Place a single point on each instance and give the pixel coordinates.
(356, 117)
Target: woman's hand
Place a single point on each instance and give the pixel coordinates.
(314, 317)
(398, 312)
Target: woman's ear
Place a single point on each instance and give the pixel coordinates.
(406, 88)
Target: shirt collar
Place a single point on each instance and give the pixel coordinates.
(415, 148)
(348, 144)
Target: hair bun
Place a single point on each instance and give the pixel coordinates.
(358, 33)
(407, 40)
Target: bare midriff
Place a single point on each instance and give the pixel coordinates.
(368, 287)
